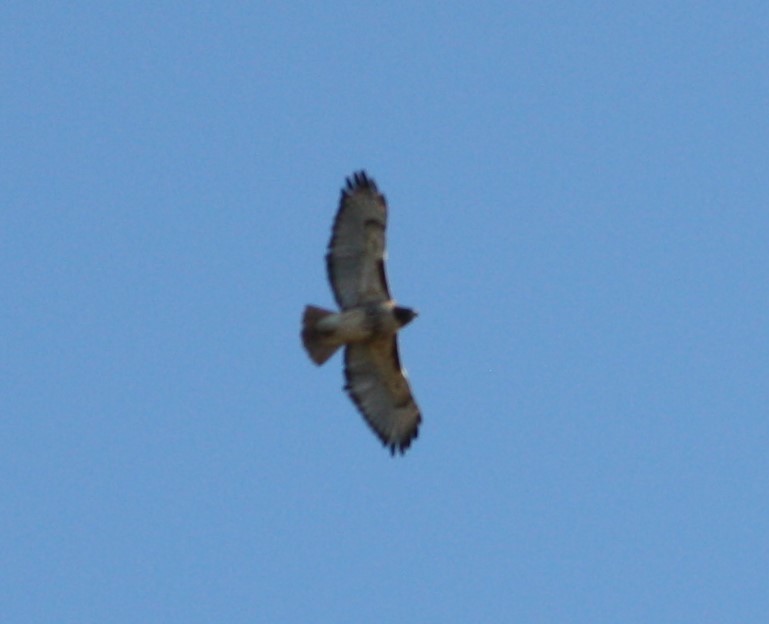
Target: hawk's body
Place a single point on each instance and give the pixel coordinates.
(369, 319)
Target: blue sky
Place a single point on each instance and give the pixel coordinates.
(579, 208)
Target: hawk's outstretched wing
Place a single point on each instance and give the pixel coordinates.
(356, 252)
(378, 386)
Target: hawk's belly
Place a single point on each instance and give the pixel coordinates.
(358, 324)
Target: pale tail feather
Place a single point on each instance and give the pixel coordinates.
(314, 341)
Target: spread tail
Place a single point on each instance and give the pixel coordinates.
(316, 342)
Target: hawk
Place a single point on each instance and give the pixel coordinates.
(369, 318)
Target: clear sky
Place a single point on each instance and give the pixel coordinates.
(579, 209)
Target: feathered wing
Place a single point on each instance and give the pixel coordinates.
(378, 386)
(356, 252)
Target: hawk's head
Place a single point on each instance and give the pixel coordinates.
(404, 315)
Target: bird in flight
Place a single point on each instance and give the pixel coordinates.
(369, 318)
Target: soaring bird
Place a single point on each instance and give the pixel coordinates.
(369, 318)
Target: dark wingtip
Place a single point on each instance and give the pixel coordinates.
(400, 447)
(359, 180)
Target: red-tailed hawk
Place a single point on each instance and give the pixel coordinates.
(368, 320)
